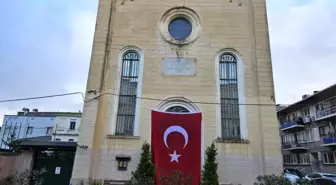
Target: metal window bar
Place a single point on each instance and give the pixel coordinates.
(177, 109)
(229, 97)
(128, 93)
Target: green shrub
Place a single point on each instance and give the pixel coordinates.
(209, 171)
(280, 180)
(145, 171)
(27, 177)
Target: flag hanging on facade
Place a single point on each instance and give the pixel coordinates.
(176, 144)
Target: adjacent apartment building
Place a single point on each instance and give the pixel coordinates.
(62, 126)
(180, 56)
(308, 129)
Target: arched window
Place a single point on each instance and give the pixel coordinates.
(178, 109)
(228, 78)
(128, 93)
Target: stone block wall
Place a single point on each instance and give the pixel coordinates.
(224, 25)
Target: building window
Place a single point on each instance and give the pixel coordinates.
(71, 140)
(72, 124)
(49, 130)
(180, 28)
(230, 121)
(306, 112)
(324, 131)
(309, 135)
(30, 130)
(128, 93)
(329, 157)
(288, 139)
(304, 158)
(177, 109)
(180, 25)
(290, 159)
(57, 139)
(301, 137)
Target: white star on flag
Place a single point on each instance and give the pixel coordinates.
(174, 156)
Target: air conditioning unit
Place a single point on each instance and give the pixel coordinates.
(313, 118)
(305, 96)
(306, 119)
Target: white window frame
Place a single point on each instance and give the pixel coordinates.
(241, 93)
(290, 159)
(177, 101)
(301, 136)
(328, 161)
(290, 138)
(304, 157)
(116, 89)
(309, 135)
(294, 158)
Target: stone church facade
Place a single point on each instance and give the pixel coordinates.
(180, 56)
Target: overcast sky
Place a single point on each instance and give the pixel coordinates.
(45, 49)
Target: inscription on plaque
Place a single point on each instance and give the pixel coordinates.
(178, 66)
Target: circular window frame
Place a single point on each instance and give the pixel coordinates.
(180, 12)
(187, 29)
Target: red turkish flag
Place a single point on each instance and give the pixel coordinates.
(176, 144)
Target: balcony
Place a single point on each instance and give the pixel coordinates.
(329, 141)
(326, 112)
(291, 146)
(292, 125)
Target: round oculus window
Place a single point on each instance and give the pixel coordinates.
(180, 28)
(180, 25)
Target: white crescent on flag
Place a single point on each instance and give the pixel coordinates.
(178, 129)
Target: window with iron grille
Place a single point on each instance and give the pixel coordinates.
(128, 93)
(230, 121)
(177, 109)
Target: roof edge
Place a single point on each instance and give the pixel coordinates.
(300, 101)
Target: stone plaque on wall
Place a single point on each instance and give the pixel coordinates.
(178, 66)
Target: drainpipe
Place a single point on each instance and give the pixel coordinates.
(55, 131)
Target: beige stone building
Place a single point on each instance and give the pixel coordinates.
(180, 56)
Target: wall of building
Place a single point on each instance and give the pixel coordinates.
(12, 164)
(18, 125)
(329, 169)
(65, 138)
(317, 119)
(62, 128)
(225, 25)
